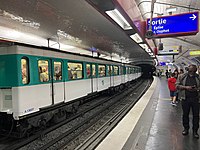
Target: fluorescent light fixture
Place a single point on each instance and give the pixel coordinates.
(171, 9)
(144, 46)
(194, 53)
(119, 19)
(136, 38)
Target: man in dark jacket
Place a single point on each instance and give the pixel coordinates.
(188, 85)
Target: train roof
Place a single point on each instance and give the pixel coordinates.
(21, 48)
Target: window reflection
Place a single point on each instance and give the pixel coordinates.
(75, 70)
(116, 70)
(94, 71)
(57, 71)
(43, 70)
(88, 71)
(24, 70)
(102, 70)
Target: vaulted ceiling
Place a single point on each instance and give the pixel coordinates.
(84, 24)
(71, 22)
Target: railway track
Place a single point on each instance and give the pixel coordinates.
(60, 135)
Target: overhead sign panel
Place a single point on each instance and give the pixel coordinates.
(168, 52)
(194, 53)
(175, 25)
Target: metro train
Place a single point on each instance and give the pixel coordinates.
(39, 84)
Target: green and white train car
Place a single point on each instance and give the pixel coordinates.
(33, 79)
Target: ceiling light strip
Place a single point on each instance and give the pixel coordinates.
(119, 19)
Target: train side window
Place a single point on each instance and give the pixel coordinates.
(25, 70)
(124, 70)
(109, 70)
(102, 70)
(43, 70)
(131, 70)
(121, 70)
(57, 70)
(88, 70)
(116, 70)
(127, 70)
(94, 71)
(75, 70)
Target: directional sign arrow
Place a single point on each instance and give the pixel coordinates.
(166, 26)
(193, 17)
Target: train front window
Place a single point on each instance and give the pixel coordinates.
(24, 70)
(75, 70)
(43, 70)
(57, 71)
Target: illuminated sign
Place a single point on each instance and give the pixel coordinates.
(168, 52)
(175, 25)
(162, 63)
(194, 53)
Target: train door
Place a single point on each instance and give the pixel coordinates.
(58, 81)
(109, 74)
(122, 74)
(89, 84)
(45, 89)
(94, 79)
(51, 77)
(112, 75)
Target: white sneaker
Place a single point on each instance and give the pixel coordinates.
(172, 103)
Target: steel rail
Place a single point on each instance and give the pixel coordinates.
(76, 127)
(94, 140)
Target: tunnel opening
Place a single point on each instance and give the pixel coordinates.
(147, 70)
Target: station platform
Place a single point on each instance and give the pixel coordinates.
(152, 124)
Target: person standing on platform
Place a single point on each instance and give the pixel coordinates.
(176, 73)
(177, 91)
(167, 74)
(172, 88)
(188, 85)
(181, 72)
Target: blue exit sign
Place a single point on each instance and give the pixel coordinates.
(175, 25)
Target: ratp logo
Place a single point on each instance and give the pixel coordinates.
(29, 110)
